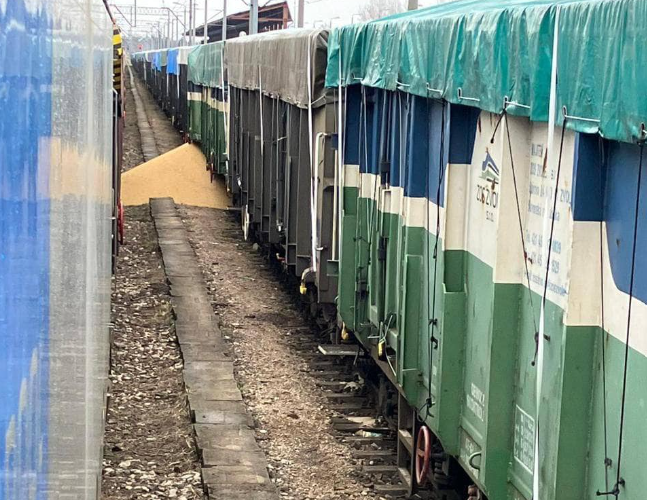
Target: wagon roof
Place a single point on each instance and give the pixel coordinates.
(277, 63)
(479, 53)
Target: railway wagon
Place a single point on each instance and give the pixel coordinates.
(175, 101)
(118, 115)
(181, 113)
(282, 159)
(207, 104)
(142, 64)
(56, 206)
(478, 227)
(492, 223)
(166, 75)
(159, 82)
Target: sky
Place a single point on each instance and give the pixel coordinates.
(318, 12)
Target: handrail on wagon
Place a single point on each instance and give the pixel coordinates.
(580, 118)
(461, 97)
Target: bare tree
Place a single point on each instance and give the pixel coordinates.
(374, 9)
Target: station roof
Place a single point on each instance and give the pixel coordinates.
(271, 17)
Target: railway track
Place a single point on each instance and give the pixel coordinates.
(340, 371)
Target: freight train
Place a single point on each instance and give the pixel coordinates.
(460, 188)
(60, 148)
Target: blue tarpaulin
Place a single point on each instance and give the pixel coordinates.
(171, 62)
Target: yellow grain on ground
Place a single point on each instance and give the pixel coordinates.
(179, 174)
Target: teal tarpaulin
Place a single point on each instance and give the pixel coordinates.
(205, 65)
(480, 52)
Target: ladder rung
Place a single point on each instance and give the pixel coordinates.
(374, 454)
(339, 350)
(380, 469)
(391, 489)
(405, 476)
(368, 439)
(405, 438)
(346, 396)
(349, 406)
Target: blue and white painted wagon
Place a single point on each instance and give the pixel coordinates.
(56, 210)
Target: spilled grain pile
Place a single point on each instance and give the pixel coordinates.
(179, 174)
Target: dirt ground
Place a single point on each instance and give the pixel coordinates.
(149, 450)
(149, 447)
(293, 426)
(132, 141)
(166, 136)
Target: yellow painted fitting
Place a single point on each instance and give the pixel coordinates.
(380, 349)
(345, 336)
(303, 289)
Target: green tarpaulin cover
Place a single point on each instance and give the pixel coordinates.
(205, 65)
(480, 52)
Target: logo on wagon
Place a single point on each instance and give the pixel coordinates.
(486, 186)
(489, 169)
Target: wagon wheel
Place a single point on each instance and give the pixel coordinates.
(423, 453)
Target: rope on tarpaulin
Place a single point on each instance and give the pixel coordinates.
(615, 491)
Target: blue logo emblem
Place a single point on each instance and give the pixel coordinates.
(489, 169)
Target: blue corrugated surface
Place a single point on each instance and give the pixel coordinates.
(25, 100)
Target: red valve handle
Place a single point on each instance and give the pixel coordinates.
(423, 454)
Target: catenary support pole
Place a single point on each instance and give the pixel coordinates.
(195, 20)
(206, 22)
(253, 17)
(224, 20)
(190, 22)
(301, 13)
